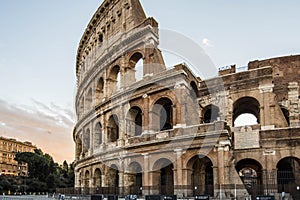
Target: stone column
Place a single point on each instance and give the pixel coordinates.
(222, 149)
(146, 175)
(266, 112)
(178, 178)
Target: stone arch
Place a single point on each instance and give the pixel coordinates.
(81, 107)
(200, 175)
(194, 90)
(164, 176)
(246, 105)
(251, 173)
(86, 140)
(89, 100)
(136, 64)
(288, 175)
(97, 135)
(113, 128)
(113, 178)
(78, 150)
(99, 90)
(211, 113)
(135, 178)
(80, 179)
(97, 178)
(114, 79)
(134, 121)
(87, 179)
(162, 114)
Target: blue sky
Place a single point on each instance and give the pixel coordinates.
(39, 40)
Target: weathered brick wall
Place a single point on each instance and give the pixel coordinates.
(285, 69)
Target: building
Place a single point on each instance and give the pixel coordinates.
(8, 148)
(172, 132)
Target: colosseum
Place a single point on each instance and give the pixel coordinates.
(148, 129)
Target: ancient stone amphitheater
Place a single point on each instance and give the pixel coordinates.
(144, 128)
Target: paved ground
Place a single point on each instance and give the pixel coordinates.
(25, 197)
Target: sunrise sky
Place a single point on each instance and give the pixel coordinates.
(39, 40)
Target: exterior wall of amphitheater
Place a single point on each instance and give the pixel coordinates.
(172, 132)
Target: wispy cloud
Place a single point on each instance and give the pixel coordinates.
(48, 127)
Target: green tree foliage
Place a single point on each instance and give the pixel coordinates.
(44, 175)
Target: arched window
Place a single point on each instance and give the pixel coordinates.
(114, 79)
(246, 111)
(250, 171)
(97, 178)
(98, 135)
(86, 140)
(134, 121)
(78, 147)
(210, 114)
(163, 114)
(89, 100)
(99, 91)
(288, 174)
(87, 179)
(113, 128)
(136, 63)
(194, 90)
(201, 179)
(135, 171)
(165, 176)
(81, 107)
(113, 179)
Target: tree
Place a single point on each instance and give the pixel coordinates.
(43, 173)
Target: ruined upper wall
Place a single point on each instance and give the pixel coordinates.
(285, 70)
(111, 18)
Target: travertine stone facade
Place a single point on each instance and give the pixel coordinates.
(172, 132)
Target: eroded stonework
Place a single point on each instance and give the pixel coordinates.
(171, 132)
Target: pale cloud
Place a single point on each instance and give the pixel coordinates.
(206, 42)
(48, 127)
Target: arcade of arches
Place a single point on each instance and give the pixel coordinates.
(147, 128)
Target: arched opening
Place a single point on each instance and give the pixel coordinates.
(98, 135)
(136, 182)
(286, 115)
(249, 106)
(164, 177)
(81, 107)
(86, 180)
(89, 100)
(114, 79)
(113, 179)
(136, 63)
(201, 177)
(250, 172)
(163, 114)
(97, 179)
(78, 148)
(86, 140)
(288, 176)
(134, 121)
(80, 180)
(245, 120)
(194, 90)
(211, 114)
(113, 128)
(100, 91)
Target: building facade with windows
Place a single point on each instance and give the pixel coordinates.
(8, 148)
(172, 132)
